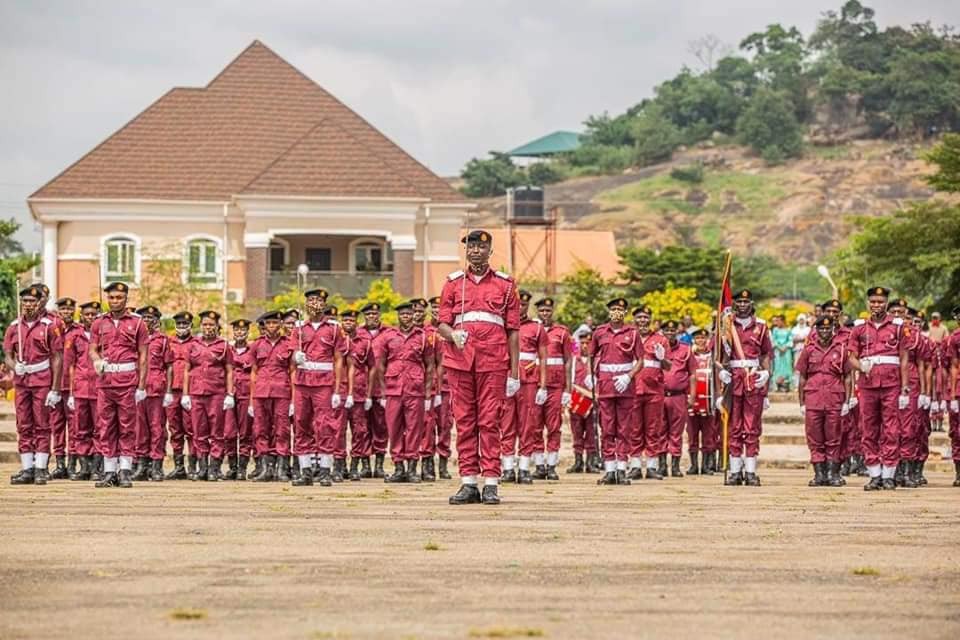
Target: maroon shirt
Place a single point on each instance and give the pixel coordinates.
(119, 341)
(650, 377)
(242, 364)
(617, 348)
(495, 295)
(361, 354)
(559, 350)
(76, 354)
(532, 337)
(208, 366)
(179, 348)
(273, 367)
(320, 342)
(376, 337)
(406, 355)
(40, 340)
(869, 339)
(683, 367)
(755, 340)
(824, 369)
(159, 357)
(65, 372)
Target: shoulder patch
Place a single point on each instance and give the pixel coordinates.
(897, 321)
(46, 321)
(859, 322)
(15, 322)
(501, 274)
(455, 275)
(761, 321)
(135, 314)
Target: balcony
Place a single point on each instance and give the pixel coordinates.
(350, 285)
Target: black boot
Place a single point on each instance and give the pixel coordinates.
(242, 463)
(467, 494)
(956, 471)
(862, 466)
(510, 475)
(818, 477)
(40, 476)
(888, 484)
(694, 468)
(675, 467)
(156, 471)
(178, 473)
(523, 477)
(921, 479)
(751, 479)
(412, 475)
(339, 470)
(83, 473)
(365, 471)
(490, 494)
(214, 474)
(428, 474)
(96, 470)
(125, 479)
(845, 467)
(875, 484)
(541, 472)
(653, 473)
(354, 474)
(305, 479)
(552, 472)
(192, 467)
(72, 461)
(622, 477)
(592, 464)
(138, 470)
(378, 471)
(323, 477)
(294, 467)
(60, 471)
(900, 474)
(443, 473)
(201, 472)
(709, 463)
(283, 469)
(910, 474)
(266, 469)
(231, 473)
(610, 477)
(399, 473)
(109, 480)
(834, 477)
(257, 466)
(733, 479)
(577, 466)
(662, 465)
(635, 473)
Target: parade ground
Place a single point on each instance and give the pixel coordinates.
(676, 558)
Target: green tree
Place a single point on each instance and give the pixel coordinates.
(585, 293)
(647, 270)
(541, 173)
(779, 56)
(769, 126)
(656, 136)
(946, 156)
(12, 263)
(490, 177)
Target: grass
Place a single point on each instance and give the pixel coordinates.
(507, 632)
(865, 571)
(188, 614)
(431, 546)
(835, 152)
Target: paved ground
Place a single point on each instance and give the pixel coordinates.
(679, 558)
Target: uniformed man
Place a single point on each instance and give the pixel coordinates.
(436, 438)
(533, 393)
(179, 428)
(207, 394)
(648, 433)
(373, 329)
(877, 348)
(151, 424)
(60, 414)
(953, 394)
(511, 418)
(441, 400)
(238, 424)
(676, 390)
(272, 399)
(357, 403)
(82, 394)
(585, 456)
(925, 361)
(702, 423)
(406, 360)
(615, 347)
(480, 317)
(559, 359)
(32, 347)
(747, 352)
(907, 473)
(118, 350)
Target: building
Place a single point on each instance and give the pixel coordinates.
(241, 181)
(546, 147)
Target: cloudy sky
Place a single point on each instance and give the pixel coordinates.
(446, 80)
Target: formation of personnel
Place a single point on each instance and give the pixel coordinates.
(107, 391)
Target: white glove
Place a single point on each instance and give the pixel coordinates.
(762, 377)
(139, 395)
(588, 381)
(167, 400)
(185, 403)
(368, 404)
(513, 385)
(565, 399)
(725, 376)
(290, 410)
(766, 403)
(299, 357)
(98, 366)
(844, 409)
(382, 402)
(941, 406)
(541, 397)
(621, 382)
(803, 410)
(71, 404)
(335, 401)
(955, 406)
(437, 400)
(853, 402)
(659, 352)
(250, 411)
(427, 403)
(923, 401)
(20, 368)
(459, 338)
(348, 403)
(229, 402)
(719, 404)
(53, 397)
(866, 366)
(903, 402)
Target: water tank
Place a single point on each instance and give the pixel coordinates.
(528, 203)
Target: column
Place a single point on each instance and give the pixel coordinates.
(403, 276)
(257, 246)
(50, 256)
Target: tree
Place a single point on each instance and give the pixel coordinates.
(769, 126)
(541, 173)
(162, 283)
(946, 156)
(12, 264)
(673, 303)
(707, 49)
(490, 177)
(585, 293)
(646, 270)
(656, 136)
(779, 56)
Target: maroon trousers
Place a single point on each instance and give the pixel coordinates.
(179, 426)
(477, 399)
(910, 428)
(746, 425)
(954, 434)
(509, 421)
(850, 433)
(317, 421)
(60, 417)
(584, 437)
(436, 439)
(238, 429)
(83, 426)
(151, 438)
(118, 421)
(923, 446)
(701, 434)
(405, 425)
(823, 434)
(529, 419)
(377, 427)
(548, 418)
(880, 426)
(648, 432)
(206, 416)
(675, 419)
(616, 418)
(356, 419)
(271, 426)
(33, 419)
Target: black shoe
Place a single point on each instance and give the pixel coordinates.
(845, 467)
(83, 473)
(490, 494)
(294, 467)
(662, 465)
(96, 470)
(910, 480)
(365, 471)
(141, 471)
(354, 473)
(214, 473)
(266, 469)
(467, 494)
(339, 470)
(889, 484)
(733, 480)
(509, 475)
(242, 463)
(635, 473)
(834, 477)
(577, 466)
(900, 473)
(956, 471)
(156, 471)
(593, 464)
(24, 476)
(861, 466)
(552, 472)
(622, 477)
(443, 473)
(819, 479)
(323, 477)
(694, 470)
(125, 479)
(709, 463)
(541, 472)
(60, 472)
(412, 475)
(378, 471)
(523, 477)
(751, 480)
(283, 469)
(40, 476)
(231, 473)
(653, 473)
(109, 480)
(257, 467)
(399, 473)
(192, 473)
(201, 472)
(875, 484)
(305, 479)
(610, 477)
(72, 461)
(179, 472)
(921, 479)
(675, 467)
(428, 474)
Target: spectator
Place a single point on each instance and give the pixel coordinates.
(686, 336)
(782, 355)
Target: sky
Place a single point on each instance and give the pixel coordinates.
(447, 80)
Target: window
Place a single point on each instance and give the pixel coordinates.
(368, 256)
(122, 261)
(202, 264)
(276, 258)
(318, 259)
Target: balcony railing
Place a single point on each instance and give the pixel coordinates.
(349, 285)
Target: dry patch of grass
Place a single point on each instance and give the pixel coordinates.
(188, 614)
(507, 632)
(431, 546)
(864, 571)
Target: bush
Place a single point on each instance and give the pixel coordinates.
(490, 177)
(545, 173)
(691, 173)
(673, 303)
(656, 136)
(769, 126)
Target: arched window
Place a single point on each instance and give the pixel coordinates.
(202, 264)
(120, 259)
(370, 255)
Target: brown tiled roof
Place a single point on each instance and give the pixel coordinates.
(260, 127)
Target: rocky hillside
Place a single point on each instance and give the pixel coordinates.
(800, 211)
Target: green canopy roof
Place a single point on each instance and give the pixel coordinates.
(548, 145)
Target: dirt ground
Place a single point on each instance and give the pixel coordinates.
(678, 558)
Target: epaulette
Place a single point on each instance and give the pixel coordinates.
(455, 275)
(501, 274)
(859, 321)
(897, 321)
(15, 322)
(333, 322)
(135, 314)
(46, 321)
(761, 321)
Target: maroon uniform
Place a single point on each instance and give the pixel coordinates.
(238, 425)
(376, 420)
(208, 362)
(676, 391)
(824, 369)
(648, 433)
(436, 439)
(317, 420)
(559, 346)
(581, 427)
(615, 353)
(60, 413)
(83, 390)
(404, 357)
(361, 358)
(747, 410)
(529, 426)
(952, 392)
(178, 418)
(272, 395)
(151, 433)
(702, 429)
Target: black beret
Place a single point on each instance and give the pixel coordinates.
(700, 332)
(544, 302)
(824, 321)
(332, 309)
(477, 235)
(899, 302)
(270, 315)
(32, 291)
(617, 302)
(149, 310)
(403, 306)
(320, 292)
(210, 315)
(42, 287)
(878, 291)
(349, 313)
(832, 304)
(93, 304)
(183, 316)
(122, 287)
(743, 294)
(66, 302)
(370, 306)
(240, 323)
(419, 301)
(291, 313)
(435, 300)
(670, 324)
(644, 309)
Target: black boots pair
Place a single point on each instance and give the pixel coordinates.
(378, 471)
(742, 479)
(545, 472)
(909, 474)
(83, 471)
(707, 466)
(877, 483)
(588, 464)
(616, 477)
(826, 474)
(404, 473)
(470, 494)
(122, 479)
(61, 472)
(24, 476)
(427, 472)
(179, 471)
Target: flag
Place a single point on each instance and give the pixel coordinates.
(724, 309)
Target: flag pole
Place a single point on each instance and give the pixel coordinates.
(718, 350)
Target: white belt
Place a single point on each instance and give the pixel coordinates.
(553, 362)
(875, 360)
(479, 316)
(651, 364)
(744, 364)
(315, 366)
(121, 367)
(616, 368)
(36, 367)
(528, 356)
